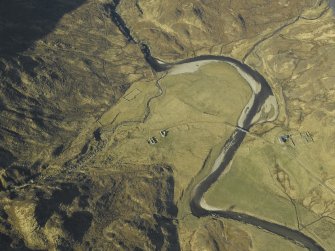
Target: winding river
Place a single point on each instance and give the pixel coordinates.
(262, 96)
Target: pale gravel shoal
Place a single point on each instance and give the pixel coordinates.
(189, 67)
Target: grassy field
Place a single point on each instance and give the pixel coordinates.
(196, 108)
(280, 183)
(248, 187)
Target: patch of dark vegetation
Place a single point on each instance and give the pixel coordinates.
(104, 204)
(83, 201)
(5, 242)
(39, 122)
(171, 207)
(95, 71)
(55, 117)
(36, 165)
(47, 206)
(156, 236)
(97, 134)
(198, 12)
(17, 175)
(78, 224)
(242, 20)
(8, 243)
(3, 214)
(13, 134)
(170, 231)
(155, 233)
(28, 64)
(124, 87)
(2, 104)
(58, 150)
(39, 118)
(86, 185)
(178, 12)
(139, 7)
(64, 245)
(85, 148)
(6, 158)
(13, 195)
(2, 68)
(14, 75)
(159, 204)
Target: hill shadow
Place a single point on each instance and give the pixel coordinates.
(332, 5)
(22, 22)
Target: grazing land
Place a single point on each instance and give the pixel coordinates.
(80, 104)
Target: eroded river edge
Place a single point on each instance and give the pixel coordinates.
(198, 207)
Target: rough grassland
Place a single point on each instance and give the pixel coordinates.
(196, 108)
(276, 182)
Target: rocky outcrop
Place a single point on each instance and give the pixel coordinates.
(106, 211)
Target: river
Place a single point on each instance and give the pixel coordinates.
(247, 119)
